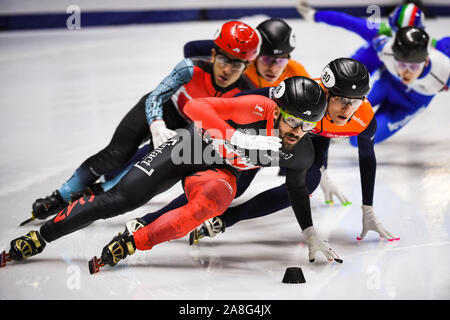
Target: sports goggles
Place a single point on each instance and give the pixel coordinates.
(413, 66)
(354, 102)
(235, 64)
(295, 122)
(268, 60)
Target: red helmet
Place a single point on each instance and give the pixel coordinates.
(239, 40)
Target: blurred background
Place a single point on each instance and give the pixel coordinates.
(32, 14)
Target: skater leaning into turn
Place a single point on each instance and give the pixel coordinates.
(413, 74)
(413, 67)
(232, 134)
(346, 82)
(160, 112)
(406, 15)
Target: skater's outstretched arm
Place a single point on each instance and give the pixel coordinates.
(367, 162)
(338, 19)
(181, 74)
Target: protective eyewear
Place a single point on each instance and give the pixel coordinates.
(268, 60)
(235, 65)
(413, 66)
(295, 122)
(354, 102)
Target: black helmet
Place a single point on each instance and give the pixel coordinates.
(411, 45)
(301, 97)
(346, 77)
(277, 37)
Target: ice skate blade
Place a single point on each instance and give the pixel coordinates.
(28, 220)
(94, 265)
(4, 258)
(193, 237)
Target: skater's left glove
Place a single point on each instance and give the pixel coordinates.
(371, 222)
(316, 244)
(160, 133)
(330, 189)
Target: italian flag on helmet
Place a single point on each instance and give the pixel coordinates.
(407, 15)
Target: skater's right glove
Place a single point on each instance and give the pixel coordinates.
(305, 10)
(160, 133)
(247, 141)
(371, 222)
(330, 189)
(316, 244)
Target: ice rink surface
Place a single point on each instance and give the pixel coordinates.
(62, 94)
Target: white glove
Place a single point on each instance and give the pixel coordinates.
(248, 141)
(305, 10)
(160, 133)
(371, 222)
(330, 189)
(316, 244)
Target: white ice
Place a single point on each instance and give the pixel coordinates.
(62, 94)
